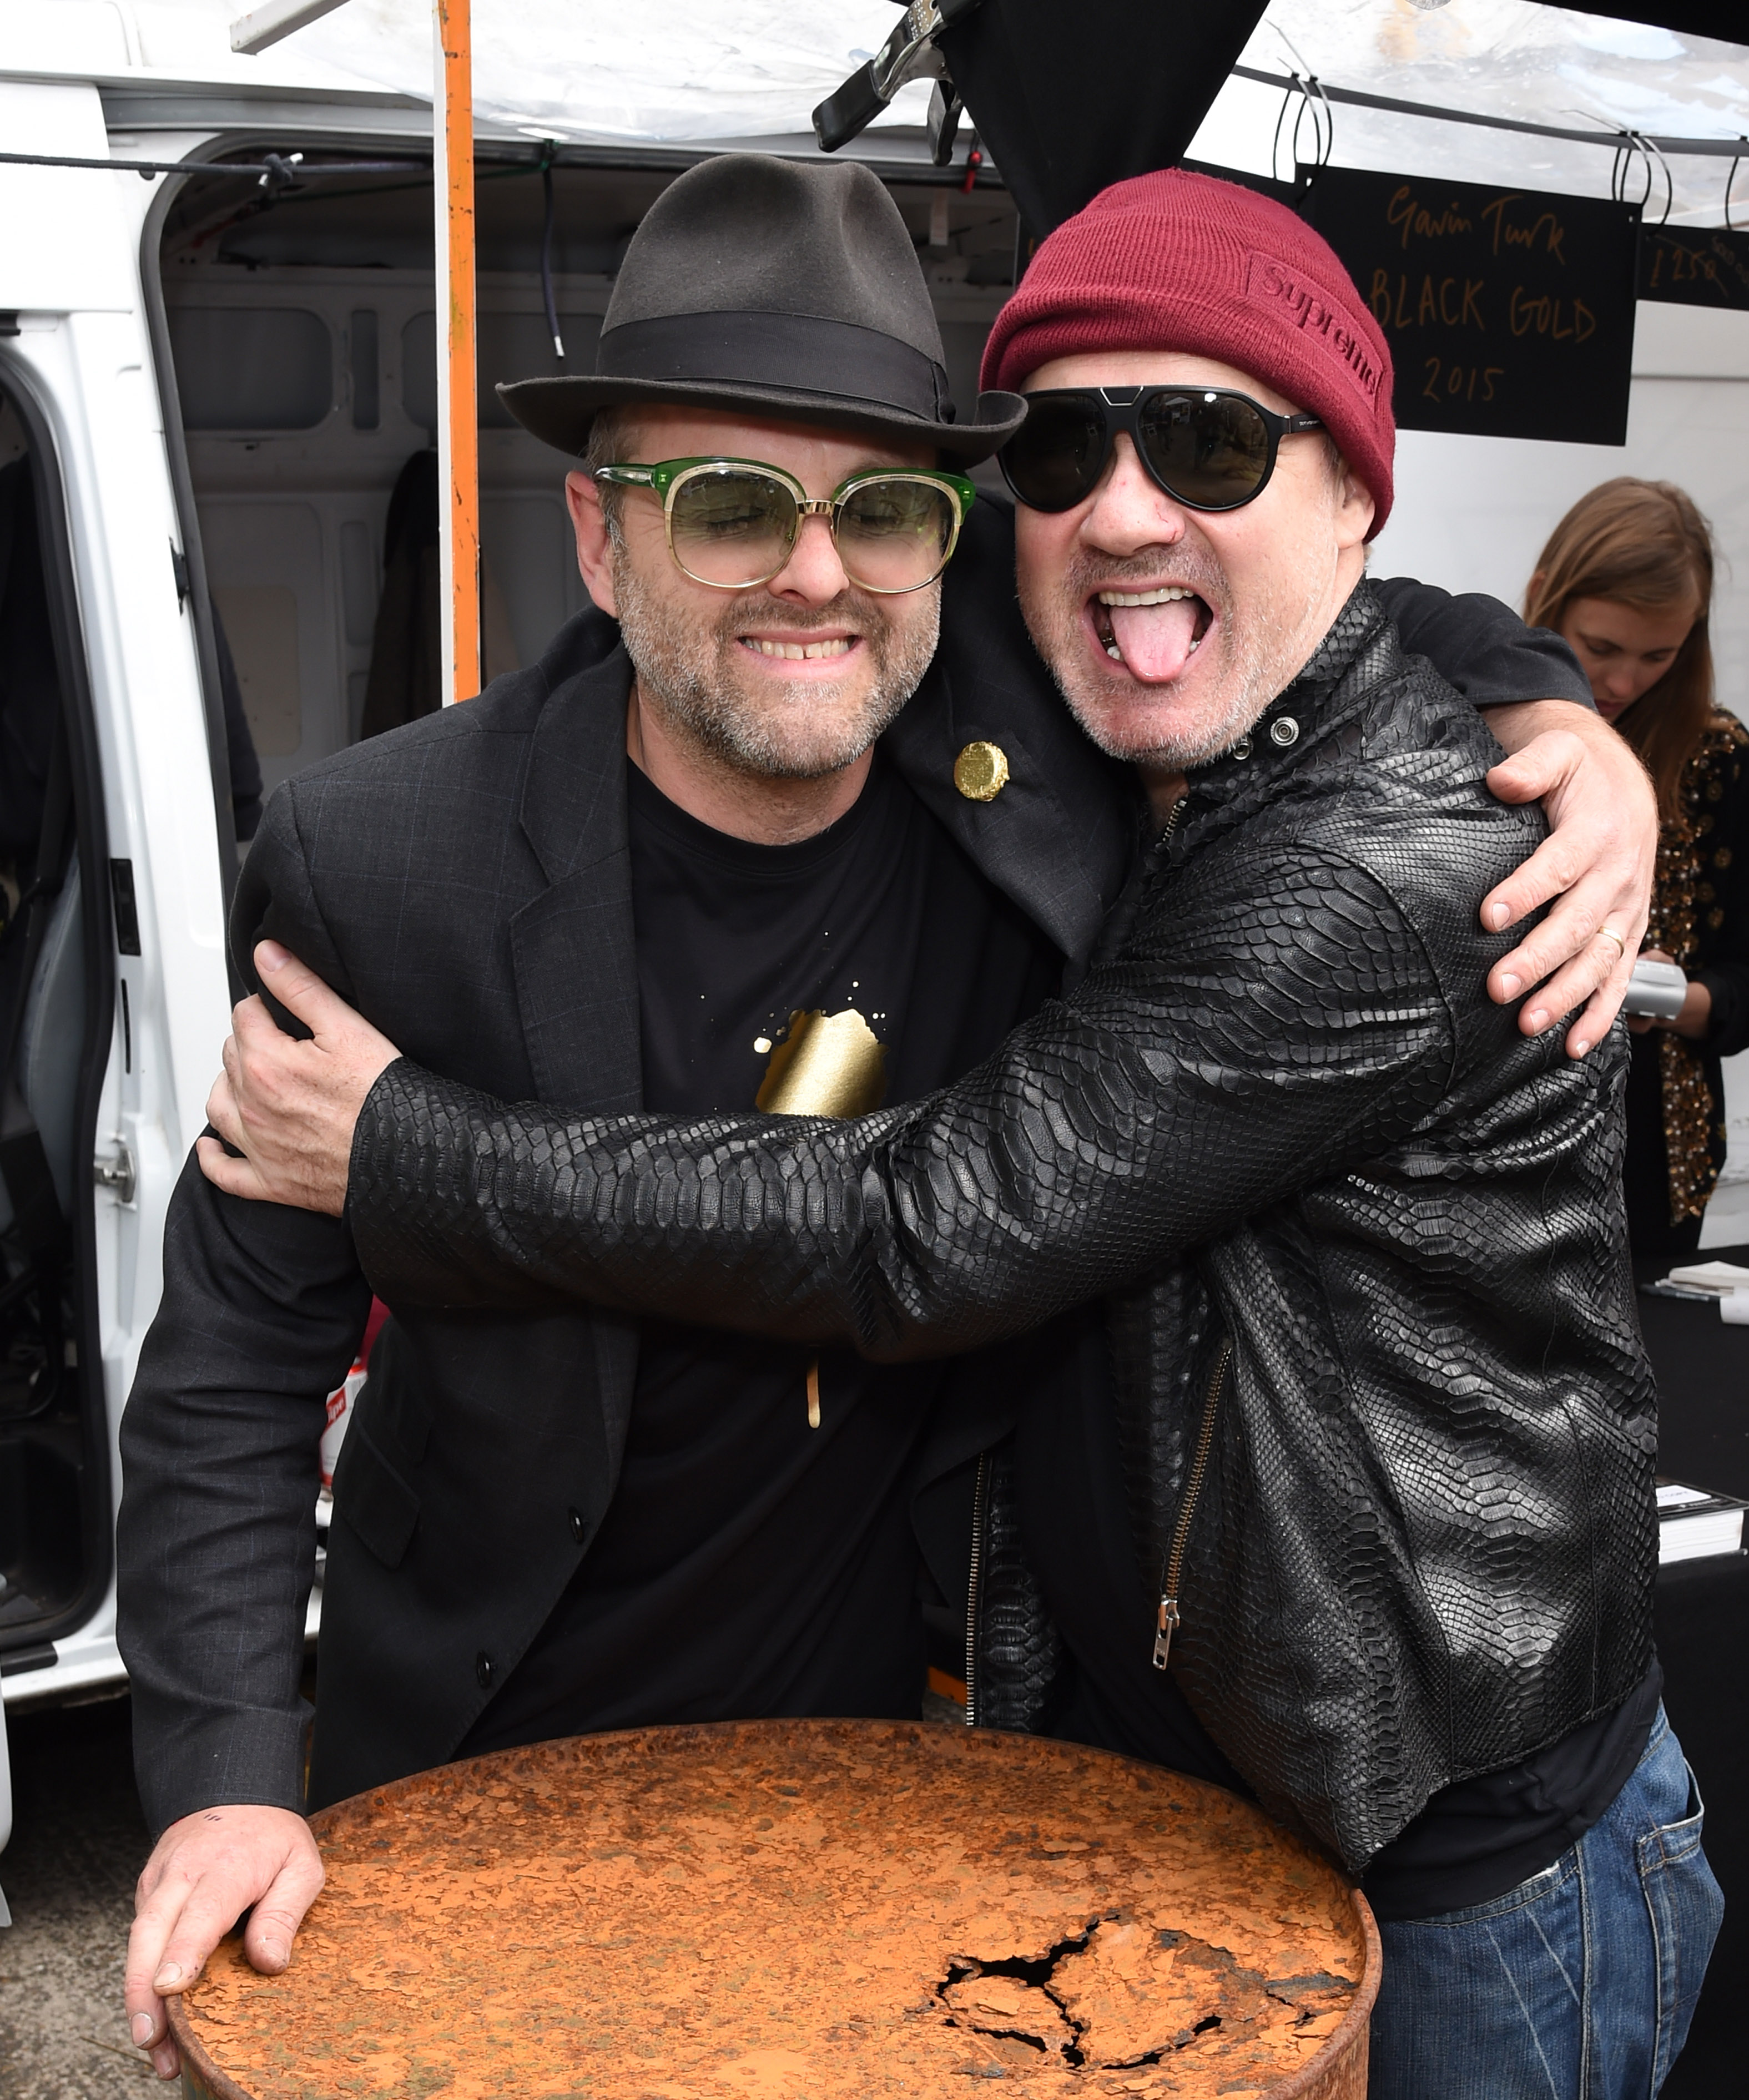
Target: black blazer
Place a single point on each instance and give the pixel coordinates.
(464, 882)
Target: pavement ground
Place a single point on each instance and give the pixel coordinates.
(78, 1842)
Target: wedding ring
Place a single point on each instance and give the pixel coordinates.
(1609, 932)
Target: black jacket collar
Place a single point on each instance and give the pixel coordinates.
(572, 946)
(1295, 731)
(573, 805)
(1059, 837)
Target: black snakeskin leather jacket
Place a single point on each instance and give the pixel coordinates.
(1388, 1421)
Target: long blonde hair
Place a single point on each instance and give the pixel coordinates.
(1642, 544)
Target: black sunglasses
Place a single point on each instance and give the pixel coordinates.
(1209, 448)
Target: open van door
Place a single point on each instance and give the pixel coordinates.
(113, 993)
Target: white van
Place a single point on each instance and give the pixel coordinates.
(211, 390)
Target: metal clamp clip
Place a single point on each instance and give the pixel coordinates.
(116, 1173)
(909, 54)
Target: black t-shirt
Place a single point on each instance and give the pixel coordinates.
(1474, 1841)
(749, 1564)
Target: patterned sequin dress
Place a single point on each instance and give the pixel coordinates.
(1700, 915)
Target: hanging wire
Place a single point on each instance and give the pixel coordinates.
(1323, 112)
(1313, 101)
(275, 170)
(1307, 106)
(1632, 148)
(1312, 98)
(1729, 178)
(1281, 118)
(1655, 154)
(548, 147)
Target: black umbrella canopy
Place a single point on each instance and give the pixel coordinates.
(1070, 96)
(1053, 89)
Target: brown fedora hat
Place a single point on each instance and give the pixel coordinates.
(787, 289)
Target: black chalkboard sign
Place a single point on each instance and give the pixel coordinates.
(1695, 266)
(1509, 313)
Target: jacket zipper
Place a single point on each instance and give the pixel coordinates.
(972, 1588)
(1169, 1619)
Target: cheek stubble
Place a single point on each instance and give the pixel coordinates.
(695, 672)
(1114, 709)
(1255, 648)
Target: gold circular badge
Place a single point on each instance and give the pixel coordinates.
(980, 772)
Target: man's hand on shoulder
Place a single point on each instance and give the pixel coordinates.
(1597, 864)
(289, 1107)
(205, 1871)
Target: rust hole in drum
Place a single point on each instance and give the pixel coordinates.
(1120, 1997)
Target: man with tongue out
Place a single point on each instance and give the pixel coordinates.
(1331, 1480)
(1520, 1816)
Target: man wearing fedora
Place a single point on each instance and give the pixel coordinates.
(702, 856)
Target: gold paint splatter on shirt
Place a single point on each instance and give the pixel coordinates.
(828, 1065)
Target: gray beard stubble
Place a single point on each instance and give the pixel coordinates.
(688, 672)
(1054, 624)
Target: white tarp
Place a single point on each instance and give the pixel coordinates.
(1504, 58)
(634, 71)
(695, 70)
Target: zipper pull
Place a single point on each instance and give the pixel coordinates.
(1166, 1624)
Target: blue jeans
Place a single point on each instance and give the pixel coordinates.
(1579, 1984)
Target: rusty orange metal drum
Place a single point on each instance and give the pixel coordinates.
(830, 1910)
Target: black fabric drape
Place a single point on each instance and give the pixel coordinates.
(406, 660)
(239, 742)
(1051, 90)
(1070, 100)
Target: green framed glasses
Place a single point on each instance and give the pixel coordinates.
(733, 523)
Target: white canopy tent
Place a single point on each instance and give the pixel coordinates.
(1497, 58)
(699, 71)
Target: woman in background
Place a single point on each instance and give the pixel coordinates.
(1626, 580)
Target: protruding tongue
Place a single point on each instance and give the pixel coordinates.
(1155, 639)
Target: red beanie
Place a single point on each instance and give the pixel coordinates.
(1181, 262)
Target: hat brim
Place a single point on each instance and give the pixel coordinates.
(560, 411)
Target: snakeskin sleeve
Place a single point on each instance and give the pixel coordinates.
(1272, 1020)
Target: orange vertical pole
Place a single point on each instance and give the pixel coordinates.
(457, 419)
